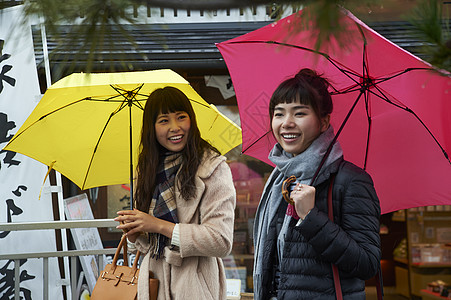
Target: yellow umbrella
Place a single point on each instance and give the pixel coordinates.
(87, 127)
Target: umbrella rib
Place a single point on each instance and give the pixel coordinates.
(375, 83)
(344, 71)
(123, 105)
(95, 148)
(109, 99)
(380, 80)
(349, 89)
(137, 103)
(384, 97)
(212, 123)
(401, 73)
(329, 148)
(200, 103)
(407, 109)
(123, 93)
(131, 94)
(113, 98)
(44, 116)
(432, 135)
(256, 141)
(348, 74)
(118, 88)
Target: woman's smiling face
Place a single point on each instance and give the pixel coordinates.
(172, 130)
(295, 126)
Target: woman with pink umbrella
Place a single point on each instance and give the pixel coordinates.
(324, 243)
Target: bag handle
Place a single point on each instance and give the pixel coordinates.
(123, 245)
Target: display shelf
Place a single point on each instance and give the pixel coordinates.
(437, 218)
(431, 265)
(428, 295)
(429, 259)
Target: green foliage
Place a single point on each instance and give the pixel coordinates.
(433, 26)
(93, 35)
(323, 19)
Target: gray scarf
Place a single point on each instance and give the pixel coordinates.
(303, 166)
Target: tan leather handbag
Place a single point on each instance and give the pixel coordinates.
(121, 282)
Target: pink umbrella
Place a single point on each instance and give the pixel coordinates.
(392, 110)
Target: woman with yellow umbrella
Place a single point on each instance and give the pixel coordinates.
(185, 202)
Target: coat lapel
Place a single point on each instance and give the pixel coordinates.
(188, 209)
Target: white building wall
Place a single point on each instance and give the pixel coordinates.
(155, 15)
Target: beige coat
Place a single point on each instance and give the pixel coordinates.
(196, 271)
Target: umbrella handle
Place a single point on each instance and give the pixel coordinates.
(285, 192)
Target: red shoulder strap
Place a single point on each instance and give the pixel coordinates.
(331, 217)
(334, 267)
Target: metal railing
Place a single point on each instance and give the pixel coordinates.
(73, 254)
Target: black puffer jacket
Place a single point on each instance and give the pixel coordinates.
(351, 242)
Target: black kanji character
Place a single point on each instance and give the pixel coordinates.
(5, 69)
(5, 127)
(11, 210)
(7, 281)
(17, 192)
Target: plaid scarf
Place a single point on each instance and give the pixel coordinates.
(163, 204)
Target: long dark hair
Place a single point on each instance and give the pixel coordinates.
(167, 100)
(307, 87)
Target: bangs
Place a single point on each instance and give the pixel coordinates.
(291, 91)
(289, 95)
(306, 88)
(174, 101)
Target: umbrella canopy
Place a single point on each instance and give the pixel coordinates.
(88, 126)
(392, 110)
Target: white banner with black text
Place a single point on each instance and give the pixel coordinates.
(21, 178)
